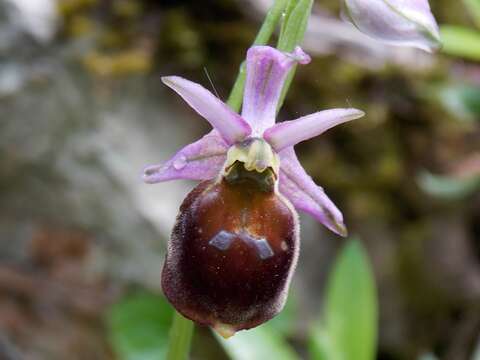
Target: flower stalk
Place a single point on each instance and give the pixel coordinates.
(182, 329)
(180, 338)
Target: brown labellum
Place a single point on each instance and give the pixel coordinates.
(232, 252)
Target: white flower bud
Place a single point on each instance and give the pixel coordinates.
(397, 22)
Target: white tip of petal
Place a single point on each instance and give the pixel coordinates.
(305, 195)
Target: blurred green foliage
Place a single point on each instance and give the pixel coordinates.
(462, 100)
(348, 327)
(460, 41)
(473, 7)
(261, 343)
(448, 187)
(139, 326)
(180, 337)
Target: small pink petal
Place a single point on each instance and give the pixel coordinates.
(267, 69)
(296, 185)
(201, 160)
(229, 124)
(290, 133)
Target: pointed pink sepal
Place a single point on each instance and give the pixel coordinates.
(290, 133)
(297, 186)
(201, 160)
(228, 123)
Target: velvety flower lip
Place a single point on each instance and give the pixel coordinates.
(205, 159)
(397, 22)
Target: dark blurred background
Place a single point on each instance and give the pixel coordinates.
(82, 111)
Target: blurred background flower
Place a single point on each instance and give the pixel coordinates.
(83, 240)
(397, 22)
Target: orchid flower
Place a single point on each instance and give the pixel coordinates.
(235, 244)
(205, 159)
(397, 22)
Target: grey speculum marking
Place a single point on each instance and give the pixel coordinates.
(263, 248)
(224, 239)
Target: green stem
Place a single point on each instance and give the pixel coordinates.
(180, 338)
(236, 95)
(268, 27)
(293, 32)
(288, 11)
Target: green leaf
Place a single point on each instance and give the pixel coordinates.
(448, 188)
(473, 7)
(320, 346)
(462, 100)
(460, 41)
(138, 327)
(260, 343)
(349, 326)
